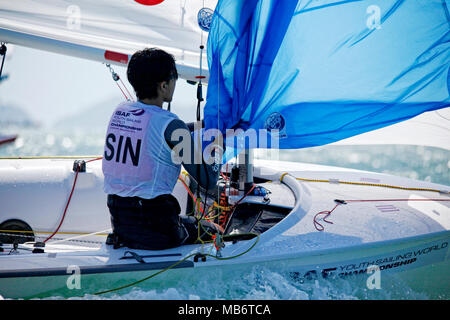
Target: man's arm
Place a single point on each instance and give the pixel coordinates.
(175, 135)
(191, 125)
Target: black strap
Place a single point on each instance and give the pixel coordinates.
(2, 53)
(199, 99)
(134, 255)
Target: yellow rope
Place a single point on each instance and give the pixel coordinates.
(372, 185)
(68, 233)
(282, 176)
(47, 157)
(221, 207)
(364, 184)
(180, 261)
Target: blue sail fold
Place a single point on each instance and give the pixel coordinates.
(312, 72)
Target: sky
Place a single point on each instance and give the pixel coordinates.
(50, 86)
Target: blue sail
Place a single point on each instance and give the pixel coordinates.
(313, 72)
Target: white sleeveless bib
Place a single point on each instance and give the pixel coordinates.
(137, 160)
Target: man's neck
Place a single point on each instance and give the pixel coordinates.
(155, 102)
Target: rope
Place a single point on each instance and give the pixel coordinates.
(66, 233)
(68, 200)
(67, 204)
(50, 158)
(233, 208)
(2, 53)
(320, 227)
(365, 184)
(116, 79)
(12, 233)
(180, 261)
(98, 158)
(282, 176)
(126, 97)
(123, 84)
(194, 199)
(373, 185)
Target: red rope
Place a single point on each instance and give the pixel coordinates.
(123, 84)
(320, 227)
(317, 225)
(99, 158)
(229, 214)
(70, 198)
(126, 97)
(191, 194)
(67, 205)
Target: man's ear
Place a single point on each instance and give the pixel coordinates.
(163, 85)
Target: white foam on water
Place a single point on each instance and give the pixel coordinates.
(261, 283)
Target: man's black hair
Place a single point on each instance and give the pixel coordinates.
(149, 67)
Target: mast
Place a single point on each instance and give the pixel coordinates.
(245, 165)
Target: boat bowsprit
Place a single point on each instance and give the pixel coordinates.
(313, 221)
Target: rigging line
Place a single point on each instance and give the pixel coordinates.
(366, 184)
(218, 119)
(3, 50)
(95, 159)
(117, 78)
(83, 235)
(67, 204)
(327, 213)
(190, 193)
(70, 198)
(228, 219)
(35, 236)
(374, 185)
(201, 32)
(42, 232)
(129, 94)
(49, 158)
(126, 98)
(180, 261)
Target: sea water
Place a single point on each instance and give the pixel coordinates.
(423, 163)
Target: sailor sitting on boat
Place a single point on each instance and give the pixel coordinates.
(138, 166)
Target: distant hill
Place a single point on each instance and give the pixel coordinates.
(95, 118)
(11, 115)
(91, 119)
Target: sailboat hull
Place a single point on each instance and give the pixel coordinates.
(397, 225)
(360, 261)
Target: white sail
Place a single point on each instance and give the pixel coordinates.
(109, 31)
(431, 129)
